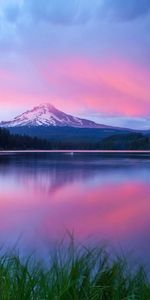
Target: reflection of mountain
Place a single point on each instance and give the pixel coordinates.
(49, 172)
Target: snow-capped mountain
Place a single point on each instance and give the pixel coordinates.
(47, 115)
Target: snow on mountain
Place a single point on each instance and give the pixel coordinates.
(48, 115)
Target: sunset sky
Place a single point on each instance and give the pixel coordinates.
(90, 58)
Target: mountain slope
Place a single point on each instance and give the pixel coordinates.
(47, 115)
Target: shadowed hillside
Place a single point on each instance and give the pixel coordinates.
(126, 141)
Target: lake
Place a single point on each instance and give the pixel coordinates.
(98, 197)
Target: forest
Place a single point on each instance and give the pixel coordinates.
(126, 141)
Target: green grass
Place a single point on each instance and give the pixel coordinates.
(72, 273)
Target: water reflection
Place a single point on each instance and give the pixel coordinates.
(100, 196)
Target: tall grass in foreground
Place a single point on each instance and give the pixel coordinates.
(72, 273)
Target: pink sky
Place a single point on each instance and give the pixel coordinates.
(76, 84)
(86, 65)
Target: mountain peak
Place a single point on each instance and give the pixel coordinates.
(47, 115)
(45, 105)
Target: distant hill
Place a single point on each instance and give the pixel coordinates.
(126, 141)
(130, 141)
(66, 134)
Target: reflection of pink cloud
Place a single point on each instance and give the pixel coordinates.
(121, 211)
(116, 211)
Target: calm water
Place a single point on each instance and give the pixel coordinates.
(98, 197)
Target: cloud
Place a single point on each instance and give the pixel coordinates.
(12, 12)
(126, 122)
(126, 10)
(124, 91)
(60, 12)
(74, 12)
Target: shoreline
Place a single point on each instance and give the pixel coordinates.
(75, 151)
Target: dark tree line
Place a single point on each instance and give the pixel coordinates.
(131, 141)
(21, 142)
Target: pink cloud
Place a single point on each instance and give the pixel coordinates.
(75, 84)
(112, 86)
